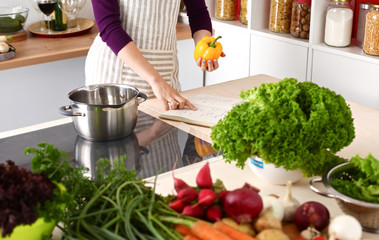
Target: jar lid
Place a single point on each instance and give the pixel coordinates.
(364, 5)
(304, 1)
(375, 5)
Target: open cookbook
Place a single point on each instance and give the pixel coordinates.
(210, 109)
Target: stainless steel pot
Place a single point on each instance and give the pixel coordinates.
(104, 112)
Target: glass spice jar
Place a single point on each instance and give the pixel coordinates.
(280, 15)
(371, 36)
(226, 9)
(363, 10)
(243, 11)
(338, 23)
(301, 18)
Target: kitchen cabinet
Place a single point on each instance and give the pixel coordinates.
(190, 75)
(350, 81)
(346, 70)
(277, 56)
(236, 45)
(33, 94)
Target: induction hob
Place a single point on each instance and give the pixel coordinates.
(152, 148)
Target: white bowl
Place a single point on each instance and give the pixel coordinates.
(272, 174)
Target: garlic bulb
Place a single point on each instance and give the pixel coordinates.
(3, 38)
(4, 47)
(290, 204)
(345, 227)
(274, 206)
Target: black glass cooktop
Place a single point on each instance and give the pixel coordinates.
(152, 148)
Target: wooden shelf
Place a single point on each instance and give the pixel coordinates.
(36, 50)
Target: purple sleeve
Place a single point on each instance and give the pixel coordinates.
(107, 16)
(198, 15)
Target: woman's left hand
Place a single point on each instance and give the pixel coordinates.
(210, 66)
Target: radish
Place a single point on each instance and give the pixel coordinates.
(179, 184)
(221, 196)
(187, 195)
(243, 204)
(194, 210)
(206, 197)
(204, 179)
(213, 214)
(177, 205)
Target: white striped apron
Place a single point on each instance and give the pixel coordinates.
(152, 26)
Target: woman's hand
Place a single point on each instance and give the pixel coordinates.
(211, 66)
(169, 97)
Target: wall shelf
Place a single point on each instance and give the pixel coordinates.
(282, 55)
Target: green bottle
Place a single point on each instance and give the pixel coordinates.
(58, 20)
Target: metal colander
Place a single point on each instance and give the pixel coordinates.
(366, 213)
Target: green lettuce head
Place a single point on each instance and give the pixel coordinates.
(297, 125)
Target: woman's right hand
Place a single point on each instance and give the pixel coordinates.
(169, 97)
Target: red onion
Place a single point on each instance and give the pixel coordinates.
(312, 213)
(243, 204)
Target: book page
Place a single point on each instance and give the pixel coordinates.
(210, 109)
(214, 101)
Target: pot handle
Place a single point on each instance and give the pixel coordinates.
(318, 191)
(67, 111)
(143, 96)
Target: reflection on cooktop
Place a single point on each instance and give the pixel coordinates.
(152, 148)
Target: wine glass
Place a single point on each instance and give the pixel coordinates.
(47, 7)
(42, 17)
(68, 7)
(79, 7)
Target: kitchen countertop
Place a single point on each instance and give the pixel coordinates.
(365, 119)
(36, 50)
(366, 141)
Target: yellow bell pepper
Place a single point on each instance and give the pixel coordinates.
(208, 49)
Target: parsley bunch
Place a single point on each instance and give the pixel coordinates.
(58, 167)
(115, 204)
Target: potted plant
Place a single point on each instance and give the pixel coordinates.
(296, 125)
